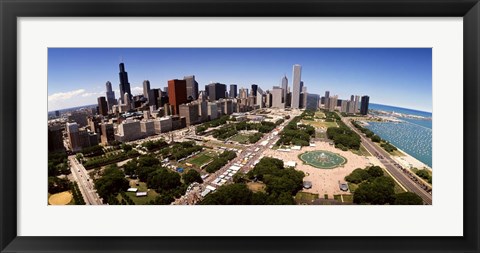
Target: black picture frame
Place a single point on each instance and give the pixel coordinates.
(10, 10)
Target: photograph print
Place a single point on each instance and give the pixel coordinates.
(240, 126)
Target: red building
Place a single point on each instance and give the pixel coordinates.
(177, 94)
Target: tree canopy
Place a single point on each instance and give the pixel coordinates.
(111, 183)
(192, 176)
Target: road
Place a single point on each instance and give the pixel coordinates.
(84, 182)
(389, 164)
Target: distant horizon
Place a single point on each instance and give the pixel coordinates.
(399, 76)
(94, 104)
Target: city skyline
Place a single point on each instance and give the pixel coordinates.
(397, 77)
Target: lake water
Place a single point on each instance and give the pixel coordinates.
(413, 136)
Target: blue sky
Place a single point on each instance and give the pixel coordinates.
(398, 77)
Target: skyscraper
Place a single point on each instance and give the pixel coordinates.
(216, 91)
(326, 100)
(124, 84)
(192, 87)
(233, 91)
(110, 95)
(297, 77)
(73, 136)
(127, 101)
(332, 103)
(254, 89)
(356, 104)
(284, 87)
(259, 100)
(304, 96)
(146, 89)
(364, 105)
(177, 94)
(102, 106)
(277, 98)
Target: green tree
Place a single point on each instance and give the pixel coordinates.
(111, 183)
(379, 191)
(376, 138)
(357, 176)
(163, 180)
(192, 176)
(375, 171)
(56, 185)
(233, 194)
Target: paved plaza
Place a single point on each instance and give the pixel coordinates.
(324, 181)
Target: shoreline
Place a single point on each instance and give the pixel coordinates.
(406, 160)
(410, 160)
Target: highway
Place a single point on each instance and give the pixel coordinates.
(84, 182)
(389, 164)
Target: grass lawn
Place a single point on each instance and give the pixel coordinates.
(414, 170)
(142, 187)
(142, 200)
(361, 152)
(348, 198)
(306, 196)
(200, 159)
(352, 187)
(322, 135)
(318, 124)
(256, 186)
(320, 115)
(241, 138)
(215, 144)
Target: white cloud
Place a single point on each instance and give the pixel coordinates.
(137, 90)
(80, 97)
(65, 95)
(96, 94)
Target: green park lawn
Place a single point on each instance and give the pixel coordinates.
(240, 138)
(319, 124)
(200, 159)
(319, 115)
(142, 187)
(347, 198)
(361, 152)
(306, 197)
(256, 186)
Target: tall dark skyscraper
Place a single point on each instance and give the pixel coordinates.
(254, 89)
(124, 84)
(206, 90)
(110, 95)
(102, 106)
(216, 91)
(364, 105)
(233, 91)
(192, 87)
(284, 87)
